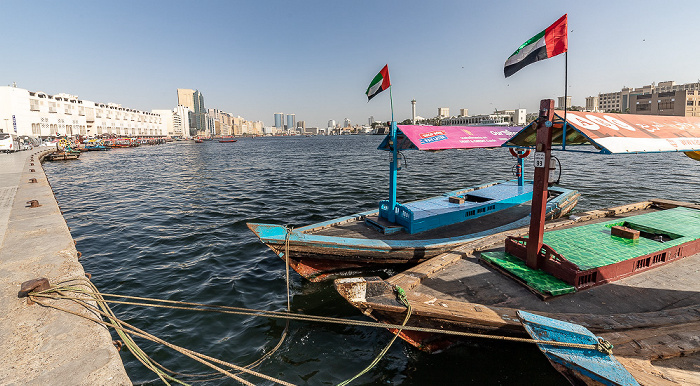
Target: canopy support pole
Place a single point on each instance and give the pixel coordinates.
(543, 152)
(521, 168)
(393, 172)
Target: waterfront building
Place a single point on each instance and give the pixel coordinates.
(301, 125)
(592, 104)
(560, 103)
(517, 117)
(346, 122)
(176, 121)
(679, 103)
(621, 101)
(194, 100)
(291, 122)
(279, 121)
(36, 113)
(463, 112)
(443, 112)
(371, 120)
(331, 124)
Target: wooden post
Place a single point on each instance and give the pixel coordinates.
(543, 151)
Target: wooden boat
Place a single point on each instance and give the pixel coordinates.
(198, 140)
(228, 140)
(413, 232)
(595, 365)
(640, 294)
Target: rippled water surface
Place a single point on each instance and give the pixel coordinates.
(169, 222)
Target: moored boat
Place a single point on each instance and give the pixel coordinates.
(413, 232)
(628, 273)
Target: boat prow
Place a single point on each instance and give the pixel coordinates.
(592, 366)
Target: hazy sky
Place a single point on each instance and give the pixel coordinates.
(316, 58)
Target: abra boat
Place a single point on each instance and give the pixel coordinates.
(228, 140)
(628, 273)
(412, 232)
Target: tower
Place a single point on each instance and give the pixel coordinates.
(413, 112)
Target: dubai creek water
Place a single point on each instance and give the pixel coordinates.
(169, 222)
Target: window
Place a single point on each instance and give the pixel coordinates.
(690, 103)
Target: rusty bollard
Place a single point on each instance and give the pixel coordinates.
(33, 204)
(32, 180)
(40, 284)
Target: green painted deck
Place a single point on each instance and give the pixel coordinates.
(536, 279)
(592, 246)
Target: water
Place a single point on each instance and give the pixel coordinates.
(169, 222)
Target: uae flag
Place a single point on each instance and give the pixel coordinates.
(546, 44)
(380, 83)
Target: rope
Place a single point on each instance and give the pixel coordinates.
(401, 294)
(124, 329)
(325, 319)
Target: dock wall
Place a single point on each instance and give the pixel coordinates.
(42, 346)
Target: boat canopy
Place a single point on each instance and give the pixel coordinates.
(449, 137)
(616, 133)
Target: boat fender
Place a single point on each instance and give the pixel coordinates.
(514, 154)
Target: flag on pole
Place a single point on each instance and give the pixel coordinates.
(546, 44)
(380, 83)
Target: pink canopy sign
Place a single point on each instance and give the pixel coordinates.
(457, 137)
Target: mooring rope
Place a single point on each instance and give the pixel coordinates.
(124, 329)
(312, 318)
(401, 294)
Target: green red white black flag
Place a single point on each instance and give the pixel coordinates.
(380, 83)
(546, 44)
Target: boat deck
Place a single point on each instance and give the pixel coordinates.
(470, 280)
(357, 228)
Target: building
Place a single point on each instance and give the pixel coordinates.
(592, 104)
(176, 121)
(291, 121)
(371, 120)
(679, 103)
(516, 117)
(36, 113)
(346, 122)
(301, 126)
(443, 112)
(413, 112)
(560, 102)
(279, 121)
(621, 101)
(194, 100)
(463, 112)
(331, 124)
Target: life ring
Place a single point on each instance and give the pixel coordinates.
(514, 154)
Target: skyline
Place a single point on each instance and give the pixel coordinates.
(316, 59)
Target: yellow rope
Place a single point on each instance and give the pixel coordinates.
(402, 297)
(325, 319)
(123, 329)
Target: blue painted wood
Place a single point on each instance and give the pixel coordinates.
(274, 235)
(586, 363)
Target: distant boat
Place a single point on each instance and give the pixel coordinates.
(198, 140)
(228, 140)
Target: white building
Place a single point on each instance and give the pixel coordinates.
(42, 115)
(516, 117)
(176, 121)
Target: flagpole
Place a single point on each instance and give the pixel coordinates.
(393, 167)
(566, 97)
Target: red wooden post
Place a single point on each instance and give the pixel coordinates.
(543, 151)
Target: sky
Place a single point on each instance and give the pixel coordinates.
(316, 58)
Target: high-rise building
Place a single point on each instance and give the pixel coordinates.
(463, 112)
(371, 120)
(291, 121)
(443, 112)
(331, 123)
(346, 122)
(279, 121)
(560, 102)
(194, 100)
(592, 104)
(413, 111)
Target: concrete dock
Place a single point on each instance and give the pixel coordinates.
(42, 346)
